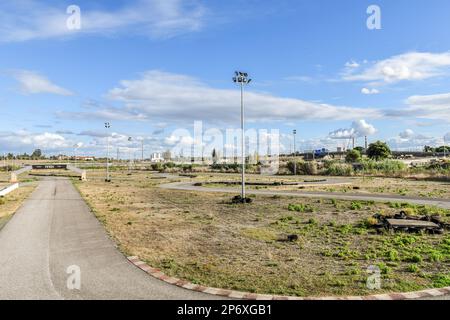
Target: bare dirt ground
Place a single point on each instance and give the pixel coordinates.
(204, 238)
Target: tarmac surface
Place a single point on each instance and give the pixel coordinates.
(55, 230)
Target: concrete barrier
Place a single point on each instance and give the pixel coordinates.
(81, 172)
(5, 191)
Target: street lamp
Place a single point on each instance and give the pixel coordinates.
(75, 146)
(129, 155)
(242, 79)
(107, 126)
(294, 132)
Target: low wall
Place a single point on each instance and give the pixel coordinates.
(5, 191)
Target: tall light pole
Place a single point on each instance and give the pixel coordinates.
(129, 155)
(445, 147)
(242, 79)
(107, 126)
(75, 148)
(142, 150)
(294, 132)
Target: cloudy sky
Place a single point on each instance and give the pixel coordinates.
(150, 67)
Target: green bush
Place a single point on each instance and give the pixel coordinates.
(378, 151)
(414, 268)
(353, 156)
(303, 167)
(157, 167)
(386, 166)
(338, 169)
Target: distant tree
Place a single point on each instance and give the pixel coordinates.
(37, 154)
(378, 151)
(360, 149)
(428, 149)
(443, 149)
(353, 156)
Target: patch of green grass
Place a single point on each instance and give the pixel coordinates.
(356, 205)
(416, 258)
(301, 208)
(384, 268)
(413, 268)
(436, 256)
(392, 255)
(441, 280)
(345, 228)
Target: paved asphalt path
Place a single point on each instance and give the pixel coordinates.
(189, 186)
(55, 229)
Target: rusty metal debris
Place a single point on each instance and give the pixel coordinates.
(403, 223)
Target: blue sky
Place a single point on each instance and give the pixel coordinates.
(150, 67)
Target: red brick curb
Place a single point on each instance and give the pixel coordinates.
(156, 273)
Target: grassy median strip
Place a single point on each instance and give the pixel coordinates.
(276, 245)
(12, 202)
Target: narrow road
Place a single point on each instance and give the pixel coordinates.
(189, 186)
(55, 229)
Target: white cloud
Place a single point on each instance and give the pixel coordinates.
(409, 140)
(352, 64)
(407, 134)
(359, 128)
(32, 83)
(405, 67)
(24, 139)
(174, 97)
(23, 20)
(434, 107)
(369, 91)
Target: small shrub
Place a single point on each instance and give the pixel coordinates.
(414, 268)
(416, 258)
(384, 268)
(356, 205)
(338, 169)
(436, 256)
(392, 255)
(441, 280)
(301, 208)
(370, 222)
(353, 156)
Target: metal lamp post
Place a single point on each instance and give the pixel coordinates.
(129, 155)
(107, 126)
(295, 153)
(242, 79)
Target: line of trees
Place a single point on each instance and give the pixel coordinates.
(36, 155)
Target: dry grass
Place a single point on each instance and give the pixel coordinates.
(11, 202)
(383, 186)
(205, 239)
